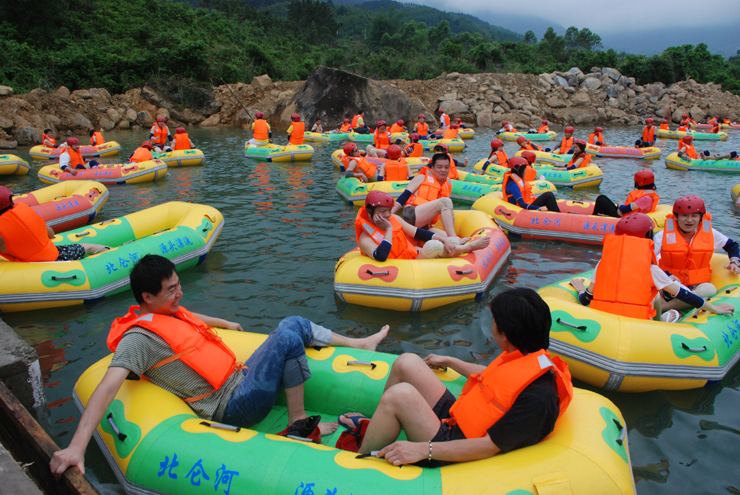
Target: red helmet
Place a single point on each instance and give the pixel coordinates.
(504, 122)
(393, 152)
(686, 139)
(259, 115)
(517, 160)
(496, 143)
(346, 121)
(400, 122)
(644, 178)
(521, 140)
(147, 144)
(379, 198)
(569, 129)
(530, 157)
(6, 197)
(414, 137)
(635, 224)
(665, 121)
(349, 148)
(684, 116)
(380, 122)
(458, 119)
(72, 140)
(295, 117)
(443, 146)
(160, 119)
(441, 111)
(581, 143)
(599, 129)
(422, 116)
(180, 130)
(544, 122)
(649, 120)
(687, 205)
(455, 126)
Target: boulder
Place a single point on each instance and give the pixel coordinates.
(6, 123)
(8, 144)
(612, 91)
(569, 89)
(113, 115)
(62, 92)
(150, 95)
(26, 136)
(53, 119)
(263, 82)
(485, 119)
(657, 90)
(163, 112)
(596, 69)
(100, 94)
(82, 94)
(448, 96)
(555, 102)
(583, 118)
(625, 81)
(575, 71)
(560, 81)
(613, 102)
(452, 76)
(211, 121)
(572, 80)
(591, 83)
(698, 113)
(601, 113)
(106, 123)
(20, 121)
(131, 115)
(144, 119)
(37, 92)
(124, 124)
(499, 109)
(677, 112)
(580, 100)
(454, 107)
(544, 83)
(548, 79)
(612, 73)
(6, 91)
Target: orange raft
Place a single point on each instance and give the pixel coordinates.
(66, 205)
(574, 222)
(108, 173)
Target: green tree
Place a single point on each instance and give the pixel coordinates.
(530, 38)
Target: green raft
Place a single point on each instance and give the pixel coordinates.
(674, 162)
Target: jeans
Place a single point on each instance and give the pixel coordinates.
(279, 362)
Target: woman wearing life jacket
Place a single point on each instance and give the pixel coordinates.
(566, 144)
(618, 284)
(459, 122)
(317, 127)
(96, 137)
(517, 191)
(451, 133)
(532, 389)
(160, 136)
(444, 119)
(345, 127)
(597, 137)
(580, 158)
(381, 140)
(544, 128)
(24, 236)
(686, 150)
(642, 199)
(685, 246)
(398, 127)
(684, 126)
(648, 135)
(358, 123)
(355, 165)
(498, 155)
(715, 128)
(383, 236)
(49, 141)
(297, 130)
(261, 130)
(182, 140)
(454, 174)
(665, 125)
(506, 127)
(71, 159)
(421, 127)
(530, 174)
(527, 145)
(142, 154)
(414, 148)
(395, 168)
(164, 342)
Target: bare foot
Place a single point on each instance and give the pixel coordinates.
(371, 343)
(327, 428)
(479, 243)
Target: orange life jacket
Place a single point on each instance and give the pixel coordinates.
(584, 163)
(299, 129)
(713, 121)
(381, 140)
(529, 145)
(715, 129)
(396, 170)
(648, 134)
(345, 128)
(525, 188)
(502, 158)
(401, 249)
(692, 121)
(530, 173)
(727, 121)
(418, 150)
(665, 127)
(689, 262)
(510, 128)
(182, 141)
(454, 174)
(97, 138)
(141, 155)
(487, 396)
(160, 134)
(364, 166)
(355, 119)
(75, 157)
(397, 128)
(25, 235)
(621, 285)
(446, 119)
(430, 189)
(565, 145)
(422, 128)
(639, 193)
(688, 149)
(450, 134)
(53, 141)
(261, 130)
(543, 129)
(684, 127)
(595, 137)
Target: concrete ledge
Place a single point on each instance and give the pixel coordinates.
(14, 479)
(19, 368)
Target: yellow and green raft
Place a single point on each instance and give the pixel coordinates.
(157, 445)
(13, 165)
(633, 355)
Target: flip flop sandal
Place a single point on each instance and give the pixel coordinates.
(672, 316)
(351, 440)
(306, 430)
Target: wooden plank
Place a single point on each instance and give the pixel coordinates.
(29, 443)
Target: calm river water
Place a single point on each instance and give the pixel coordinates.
(286, 227)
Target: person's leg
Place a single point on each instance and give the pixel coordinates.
(472, 245)
(605, 206)
(704, 291)
(428, 211)
(548, 200)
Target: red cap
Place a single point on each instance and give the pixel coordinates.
(346, 121)
(393, 152)
(687, 139)
(544, 122)
(400, 122)
(517, 160)
(635, 224)
(349, 148)
(380, 122)
(455, 126)
(599, 129)
(72, 140)
(379, 198)
(644, 178)
(414, 137)
(441, 145)
(441, 111)
(496, 143)
(531, 157)
(259, 115)
(422, 116)
(295, 117)
(180, 130)
(6, 197)
(649, 120)
(520, 140)
(147, 144)
(687, 205)
(569, 129)
(160, 119)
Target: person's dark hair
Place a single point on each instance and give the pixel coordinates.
(519, 170)
(92, 131)
(524, 318)
(437, 157)
(646, 186)
(47, 130)
(148, 274)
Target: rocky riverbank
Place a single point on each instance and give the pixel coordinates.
(602, 95)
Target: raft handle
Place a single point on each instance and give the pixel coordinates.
(58, 197)
(302, 439)
(466, 272)
(728, 291)
(107, 221)
(112, 423)
(64, 278)
(694, 349)
(362, 363)
(622, 430)
(83, 234)
(221, 426)
(377, 273)
(577, 327)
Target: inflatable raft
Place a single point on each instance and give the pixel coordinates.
(325, 137)
(575, 221)
(155, 444)
(182, 232)
(531, 136)
(453, 145)
(182, 158)
(547, 158)
(108, 173)
(589, 176)
(734, 192)
(698, 136)
(709, 126)
(466, 133)
(651, 153)
(277, 153)
(634, 355)
(419, 285)
(105, 150)
(13, 165)
(674, 162)
(369, 138)
(414, 163)
(66, 205)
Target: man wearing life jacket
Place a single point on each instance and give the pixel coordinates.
(454, 174)
(685, 246)
(142, 154)
(648, 135)
(317, 127)
(261, 129)
(160, 136)
(398, 127)
(459, 122)
(297, 130)
(182, 140)
(346, 126)
(451, 133)
(395, 168)
(517, 191)
(618, 284)
(597, 137)
(527, 145)
(566, 144)
(25, 237)
(96, 137)
(179, 351)
(714, 120)
(532, 389)
(444, 120)
(642, 199)
(355, 165)
(414, 148)
(358, 123)
(715, 128)
(544, 128)
(684, 126)
(686, 150)
(665, 125)
(421, 127)
(71, 159)
(506, 127)
(49, 141)
(381, 140)
(580, 158)
(497, 156)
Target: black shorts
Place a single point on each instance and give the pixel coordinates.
(71, 252)
(409, 214)
(446, 433)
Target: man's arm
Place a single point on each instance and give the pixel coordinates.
(50, 232)
(74, 455)
(469, 449)
(219, 323)
(462, 367)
